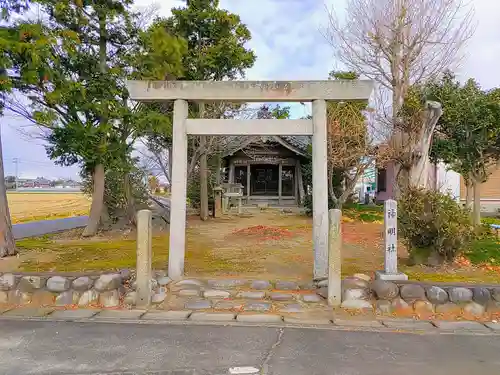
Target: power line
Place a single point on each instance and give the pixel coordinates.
(16, 162)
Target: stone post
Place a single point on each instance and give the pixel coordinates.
(178, 197)
(320, 192)
(144, 255)
(390, 271)
(217, 201)
(334, 258)
(225, 204)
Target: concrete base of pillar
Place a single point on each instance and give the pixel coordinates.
(381, 275)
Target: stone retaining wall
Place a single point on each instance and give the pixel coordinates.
(414, 299)
(360, 292)
(64, 289)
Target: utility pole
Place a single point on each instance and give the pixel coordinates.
(16, 162)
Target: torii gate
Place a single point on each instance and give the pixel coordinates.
(317, 92)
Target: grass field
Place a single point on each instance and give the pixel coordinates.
(268, 245)
(25, 207)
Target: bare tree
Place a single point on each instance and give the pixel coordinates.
(203, 146)
(351, 149)
(200, 148)
(400, 43)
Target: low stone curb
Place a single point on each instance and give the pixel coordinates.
(248, 319)
(416, 325)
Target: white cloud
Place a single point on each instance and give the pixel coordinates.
(287, 40)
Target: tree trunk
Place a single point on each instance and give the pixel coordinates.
(203, 171)
(476, 212)
(331, 189)
(129, 199)
(218, 170)
(170, 160)
(402, 179)
(468, 194)
(419, 172)
(7, 243)
(97, 206)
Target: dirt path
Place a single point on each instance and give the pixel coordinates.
(273, 245)
(269, 245)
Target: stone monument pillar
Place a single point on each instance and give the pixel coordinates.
(390, 271)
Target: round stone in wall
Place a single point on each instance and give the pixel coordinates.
(481, 295)
(198, 304)
(436, 295)
(108, 282)
(7, 281)
(37, 282)
(412, 292)
(226, 283)
(495, 294)
(356, 294)
(125, 274)
(258, 294)
(354, 283)
(58, 284)
(276, 296)
(216, 293)
(311, 298)
(260, 284)
(82, 283)
(385, 289)
(460, 295)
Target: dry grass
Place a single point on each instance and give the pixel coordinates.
(268, 245)
(25, 207)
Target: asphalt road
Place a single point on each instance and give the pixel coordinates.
(39, 228)
(30, 347)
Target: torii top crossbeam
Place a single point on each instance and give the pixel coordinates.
(251, 91)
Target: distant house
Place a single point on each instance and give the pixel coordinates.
(41, 182)
(440, 178)
(446, 181)
(72, 184)
(490, 193)
(26, 183)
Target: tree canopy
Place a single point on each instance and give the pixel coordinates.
(467, 134)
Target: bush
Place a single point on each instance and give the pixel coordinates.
(433, 226)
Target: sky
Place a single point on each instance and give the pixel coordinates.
(288, 42)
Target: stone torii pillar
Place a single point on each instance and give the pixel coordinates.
(317, 92)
